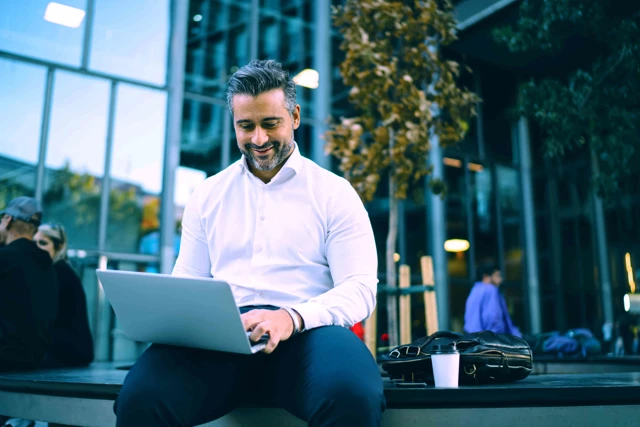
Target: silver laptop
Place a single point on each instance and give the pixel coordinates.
(181, 311)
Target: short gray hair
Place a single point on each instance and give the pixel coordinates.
(261, 76)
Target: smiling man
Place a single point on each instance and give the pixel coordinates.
(296, 245)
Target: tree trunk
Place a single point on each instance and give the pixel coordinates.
(392, 236)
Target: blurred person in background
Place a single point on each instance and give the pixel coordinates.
(72, 343)
(486, 309)
(28, 289)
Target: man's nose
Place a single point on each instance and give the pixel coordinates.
(260, 136)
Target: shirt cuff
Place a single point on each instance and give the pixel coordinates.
(313, 314)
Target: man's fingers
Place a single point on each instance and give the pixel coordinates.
(274, 340)
(259, 330)
(266, 327)
(251, 318)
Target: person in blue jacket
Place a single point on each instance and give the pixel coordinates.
(486, 309)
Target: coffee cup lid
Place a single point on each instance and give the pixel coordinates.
(445, 349)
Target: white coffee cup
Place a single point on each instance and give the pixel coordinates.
(446, 365)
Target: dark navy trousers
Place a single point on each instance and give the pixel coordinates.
(325, 376)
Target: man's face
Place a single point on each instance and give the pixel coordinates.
(4, 229)
(496, 278)
(264, 128)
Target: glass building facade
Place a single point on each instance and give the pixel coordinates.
(111, 112)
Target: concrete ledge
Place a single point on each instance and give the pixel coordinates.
(99, 413)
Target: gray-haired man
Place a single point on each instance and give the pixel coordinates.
(28, 290)
(296, 245)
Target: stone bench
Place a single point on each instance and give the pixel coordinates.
(84, 396)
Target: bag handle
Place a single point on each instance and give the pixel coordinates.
(416, 347)
(440, 334)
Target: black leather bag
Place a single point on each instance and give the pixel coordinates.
(485, 357)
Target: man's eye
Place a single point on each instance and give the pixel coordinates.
(269, 125)
(247, 127)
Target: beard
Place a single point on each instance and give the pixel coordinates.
(279, 153)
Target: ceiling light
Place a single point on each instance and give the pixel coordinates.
(64, 15)
(197, 18)
(448, 161)
(474, 167)
(456, 245)
(307, 78)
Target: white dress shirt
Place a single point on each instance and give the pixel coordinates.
(304, 241)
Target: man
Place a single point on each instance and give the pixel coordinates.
(28, 291)
(486, 309)
(296, 245)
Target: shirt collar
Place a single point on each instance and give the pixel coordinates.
(294, 162)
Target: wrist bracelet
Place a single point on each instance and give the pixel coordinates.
(294, 317)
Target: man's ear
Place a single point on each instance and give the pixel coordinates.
(296, 116)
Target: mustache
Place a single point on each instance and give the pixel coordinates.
(251, 146)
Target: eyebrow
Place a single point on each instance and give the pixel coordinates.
(266, 119)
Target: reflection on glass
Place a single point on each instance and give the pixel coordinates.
(484, 220)
(509, 191)
(75, 156)
(340, 105)
(20, 124)
(136, 166)
(130, 39)
(287, 35)
(43, 29)
(304, 138)
(456, 200)
(203, 136)
(218, 43)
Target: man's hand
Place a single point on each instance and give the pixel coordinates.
(276, 323)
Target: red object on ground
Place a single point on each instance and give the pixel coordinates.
(358, 330)
(384, 337)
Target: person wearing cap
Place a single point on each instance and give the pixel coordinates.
(72, 343)
(28, 288)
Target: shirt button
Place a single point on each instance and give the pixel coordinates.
(262, 217)
(258, 249)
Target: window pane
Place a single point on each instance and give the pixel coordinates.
(203, 135)
(20, 124)
(130, 39)
(277, 29)
(484, 220)
(218, 44)
(75, 156)
(136, 166)
(43, 29)
(456, 208)
(509, 191)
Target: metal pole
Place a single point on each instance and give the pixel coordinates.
(322, 95)
(530, 246)
(437, 228)
(177, 53)
(254, 28)
(555, 237)
(602, 250)
(44, 135)
(88, 32)
(106, 179)
(226, 138)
